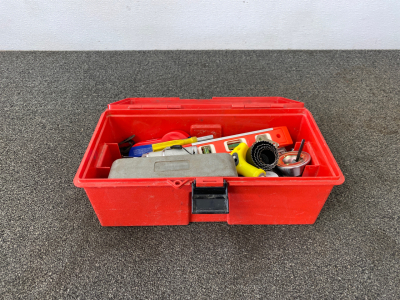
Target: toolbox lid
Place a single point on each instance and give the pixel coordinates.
(215, 102)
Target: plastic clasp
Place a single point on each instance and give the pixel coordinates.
(210, 197)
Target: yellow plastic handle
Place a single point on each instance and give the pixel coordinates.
(242, 167)
(163, 145)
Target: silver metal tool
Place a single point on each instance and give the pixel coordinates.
(288, 165)
(204, 138)
(174, 150)
(271, 174)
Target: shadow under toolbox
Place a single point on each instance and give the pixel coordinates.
(181, 200)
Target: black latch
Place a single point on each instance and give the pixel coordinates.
(210, 200)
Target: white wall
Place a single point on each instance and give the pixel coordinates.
(199, 24)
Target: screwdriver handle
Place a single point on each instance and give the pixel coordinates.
(162, 146)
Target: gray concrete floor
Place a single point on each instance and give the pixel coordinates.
(53, 247)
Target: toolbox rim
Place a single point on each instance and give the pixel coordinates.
(236, 103)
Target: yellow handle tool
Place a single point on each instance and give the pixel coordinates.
(242, 167)
(163, 145)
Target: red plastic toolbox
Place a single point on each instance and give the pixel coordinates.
(270, 200)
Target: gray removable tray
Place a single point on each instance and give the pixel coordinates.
(199, 165)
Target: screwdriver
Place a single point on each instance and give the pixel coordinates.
(163, 145)
(138, 151)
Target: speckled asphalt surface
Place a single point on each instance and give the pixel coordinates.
(53, 247)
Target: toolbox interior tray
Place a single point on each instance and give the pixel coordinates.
(167, 201)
